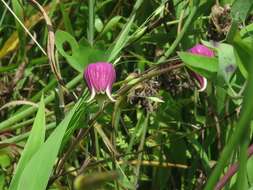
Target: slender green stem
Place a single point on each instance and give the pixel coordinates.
(241, 181)
(66, 19)
(23, 114)
(20, 116)
(26, 122)
(17, 7)
(133, 138)
(145, 76)
(143, 137)
(91, 22)
(123, 38)
(23, 136)
(115, 124)
(3, 14)
(97, 145)
(60, 103)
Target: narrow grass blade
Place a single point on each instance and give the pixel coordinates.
(18, 10)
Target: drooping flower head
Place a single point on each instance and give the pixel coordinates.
(204, 51)
(100, 77)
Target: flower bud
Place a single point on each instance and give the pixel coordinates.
(100, 77)
(204, 51)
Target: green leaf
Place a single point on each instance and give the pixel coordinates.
(242, 125)
(249, 171)
(247, 31)
(94, 180)
(227, 62)
(37, 172)
(74, 56)
(2, 180)
(206, 66)
(111, 24)
(201, 153)
(79, 55)
(242, 49)
(240, 65)
(240, 9)
(235, 38)
(5, 160)
(66, 19)
(99, 24)
(221, 95)
(18, 10)
(34, 142)
(121, 40)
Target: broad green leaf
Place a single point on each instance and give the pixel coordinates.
(79, 55)
(234, 38)
(74, 56)
(34, 142)
(240, 9)
(226, 58)
(37, 172)
(241, 129)
(240, 65)
(242, 56)
(244, 49)
(224, 2)
(227, 62)
(247, 31)
(221, 95)
(206, 66)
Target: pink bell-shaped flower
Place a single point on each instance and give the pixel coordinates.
(204, 51)
(100, 77)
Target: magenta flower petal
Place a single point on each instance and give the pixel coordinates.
(100, 77)
(201, 50)
(204, 51)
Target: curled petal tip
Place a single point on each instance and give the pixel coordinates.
(92, 96)
(108, 93)
(203, 85)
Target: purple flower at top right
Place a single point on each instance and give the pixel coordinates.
(204, 51)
